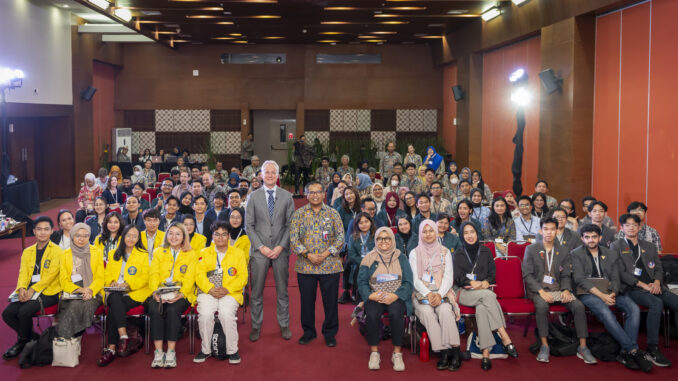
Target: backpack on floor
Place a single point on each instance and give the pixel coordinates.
(361, 317)
(38, 352)
(218, 341)
(603, 346)
(670, 268)
(562, 341)
(497, 351)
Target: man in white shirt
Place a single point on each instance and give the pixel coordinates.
(526, 223)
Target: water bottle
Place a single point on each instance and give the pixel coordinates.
(423, 348)
(461, 325)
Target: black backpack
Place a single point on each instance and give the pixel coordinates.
(38, 352)
(562, 340)
(603, 346)
(218, 341)
(670, 267)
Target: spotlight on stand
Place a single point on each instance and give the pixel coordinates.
(11, 79)
(521, 97)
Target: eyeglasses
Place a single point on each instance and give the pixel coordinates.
(383, 239)
(219, 235)
(315, 193)
(523, 205)
(81, 236)
(235, 217)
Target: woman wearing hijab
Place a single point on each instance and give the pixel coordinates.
(385, 283)
(434, 161)
(364, 185)
(512, 203)
(237, 233)
(88, 193)
(138, 175)
(435, 303)
(474, 273)
(390, 213)
(81, 273)
(480, 213)
(378, 195)
(336, 178)
(233, 181)
(116, 172)
(186, 203)
(477, 182)
(465, 174)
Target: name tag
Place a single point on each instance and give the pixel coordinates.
(326, 235)
(168, 280)
(548, 279)
(427, 277)
(471, 276)
(35, 278)
(219, 270)
(637, 271)
(76, 278)
(383, 278)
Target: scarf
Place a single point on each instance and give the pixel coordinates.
(448, 168)
(466, 170)
(235, 232)
(434, 160)
(471, 249)
(115, 168)
(476, 204)
(81, 256)
(429, 253)
(391, 212)
(381, 199)
(231, 177)
(365, 181)
(92, 178)
(389, 255)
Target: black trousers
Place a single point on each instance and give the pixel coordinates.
(166, 319)
(347, 272)
(19, 316)
(298, 171)
(396, 316)
(329, 288)
(118, 305)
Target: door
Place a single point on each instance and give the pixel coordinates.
(271, 130)
(21, 147)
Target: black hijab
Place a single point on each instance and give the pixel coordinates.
(235, 232)
(471, 249)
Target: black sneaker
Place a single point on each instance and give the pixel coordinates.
(625, 359)
(201, 357)
(644, 364)
(344, 298)
(234, 358)
(654, 355)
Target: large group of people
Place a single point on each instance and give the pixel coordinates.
(409, 239)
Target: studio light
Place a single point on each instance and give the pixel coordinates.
(517, 75)
(124, 14)
(518, 2)
(103, 4)
(521, 96)
(490, 13)
(11, 79)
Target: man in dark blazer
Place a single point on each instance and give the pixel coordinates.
(548, 278)
(267, 221)
(642, 278)
(595, 271)
(597, 213)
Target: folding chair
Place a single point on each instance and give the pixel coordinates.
(48, 312)
(517, 249)
(136, 312)
(490, 245)
(162, 176)
(510, 289)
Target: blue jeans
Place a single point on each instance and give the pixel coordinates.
(655, 304)
(627, 336)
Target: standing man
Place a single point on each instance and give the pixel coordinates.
(317, 237)
(251, 170)
(303, 156)
(247, 150)
(324, 173)
(388, 160)
(268, 217)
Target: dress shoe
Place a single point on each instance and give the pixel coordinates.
(455, 361)
(444, 361)
(511, 350)
(14, 350)
(254, 335)
(106, 358)
(123, 347)
(285, 333)
(307, 338)
(330, 342)
(345, 297)
(485, 363)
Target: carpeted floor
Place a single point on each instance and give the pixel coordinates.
(274, 358)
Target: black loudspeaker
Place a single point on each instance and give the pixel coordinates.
(458, 93)
(10, 210)
(550, 82)
(88, 93)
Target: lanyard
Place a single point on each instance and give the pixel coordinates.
(522, 221)
(224, 254)
(549, 261)
(389, 262)
(638, 252)
(560, 239)
(174, 261)
(470, 262)
(115, 196)
(596, 260)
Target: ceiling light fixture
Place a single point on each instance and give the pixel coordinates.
(328, 41)
(333, 33)
(393, 22)
(457, 11)
(336, 22)
(387, 15)
(430, 36)
(225, 22)
(239, 42)
(377, 41)
(490, 13)
(406, 8)
(383, 32)
(223, 38)
(123, 14)
(274, 38)
(340, 8)
(103, 4)
(235, 34)
(266, 17)
(518, 2)
(364, 36)
(204, 17)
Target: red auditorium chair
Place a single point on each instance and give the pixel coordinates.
(162, 176)
(124, 197)
(136, 312)
(490, 245)
(510, 289)
(517, 249)
(152, 192)
(146, 196)
(49, 312)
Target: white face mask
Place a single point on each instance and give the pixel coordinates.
(454, 181)
(138, 173)
(394, 183)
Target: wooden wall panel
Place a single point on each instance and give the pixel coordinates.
(103, 115)
(449, 129)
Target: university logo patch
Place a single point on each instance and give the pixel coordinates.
(47, 263)
(183, 268)
(132, 270)
(232, 271)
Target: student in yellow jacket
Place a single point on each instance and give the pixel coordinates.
(128, 268)
(198, 241)
(229, 263)
(152, 238)
(82, 275)
(238, 235)
(109, 239)
(172, 263)
(38, 279)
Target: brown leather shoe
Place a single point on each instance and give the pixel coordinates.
(106, 358)
(123, 347)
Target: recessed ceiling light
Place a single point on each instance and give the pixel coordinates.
(235, 34)
(149, 22)
(378, 12)
(223, 38)
(103, 4)
(123, 14)
(64, 5)
(211, 9)
(181, 40)
(340, 8)
(430, 36)
(204, 17)
(377, 41)
(406, 8)
(165, 32)
(332, 33)
(239, 42)
(384, 32)
(457, 11)
(151, 13)
(436, 25)
(393, 22)
(336, 22)
(328, 41)
(266, 17)
(274, 38)
(367, 36)
(380, 43)
(225, 22)
(227, 13)
(386, 15)
(333, 43)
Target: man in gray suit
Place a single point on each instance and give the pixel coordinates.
(548, 278)
(268, 215)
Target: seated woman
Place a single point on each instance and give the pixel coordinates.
(96, 221)
(109, 238)
(220, 276)
(349, 208)
(88, 193)
(405, 239)
(127, 269)
(480, 213)
(385, 283)
(145, 156)
(477, 182)
(149, 174)
(364, 185)
(474, 272)
(348, 179)
(449, 241)
(38, 285)
(186, 203)
(567, 204)
(112, 193)
(233, 181)
(540, 209)
(62, 237)
(173, 263)
(410, 201)
(465, 174)
(336, 178)
(435, 303)
(393, 185)
(500, 228)
(390, 213)
(196, 240)
(238, 235)
(464, 209)
(360, 242)
(512, 203)
(81, 274)
(378, 195)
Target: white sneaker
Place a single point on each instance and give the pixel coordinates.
(398, 363)
(375, 359)
(171, 359)
(158, 359)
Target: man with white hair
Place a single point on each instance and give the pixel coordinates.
(251, 170)
(209, 187)
(268, 215)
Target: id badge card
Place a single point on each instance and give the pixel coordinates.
(326, 235)
(427, 277)
(383, 278)
(76, 278)
(219, 270)
(35, 278)
(471, 276)
(548, 279)
(637, 271)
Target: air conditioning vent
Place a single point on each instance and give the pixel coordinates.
(253, 58)
(357, 58)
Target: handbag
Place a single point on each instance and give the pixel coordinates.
(66, 352)
(385, 283)
(215, 277)
(602, 284)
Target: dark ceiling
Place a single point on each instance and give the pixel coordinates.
(301, 21)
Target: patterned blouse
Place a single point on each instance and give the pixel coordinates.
(317, 232)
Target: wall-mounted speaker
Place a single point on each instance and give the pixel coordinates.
(88, 93)
(458, 93)
(550, 82)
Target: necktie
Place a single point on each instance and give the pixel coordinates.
(270, 203)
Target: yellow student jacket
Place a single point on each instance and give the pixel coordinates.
(101, 246)
(136, 274)
(243, 243)
(97, 266)
(157, 242)
(161, 268)
(234, 266)
(49, 269)
(198, 242)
